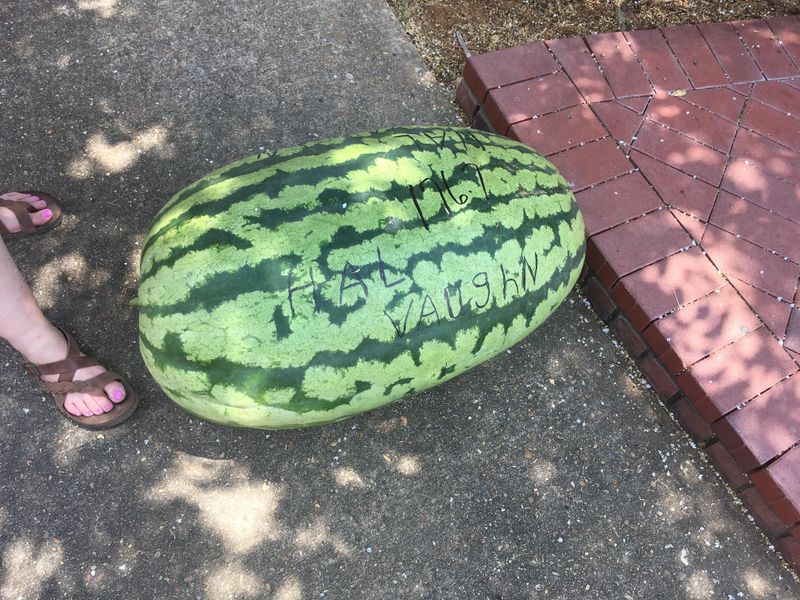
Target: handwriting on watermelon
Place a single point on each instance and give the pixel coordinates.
(425, 139)
(442, 186)
(417, 310)
(438, 182)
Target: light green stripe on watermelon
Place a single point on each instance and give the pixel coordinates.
(217, 330)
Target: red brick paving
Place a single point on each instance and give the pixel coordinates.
(617, 201)
(682, 146)
(688, 194)
(666, 286)
(559, 130)
(620, 121)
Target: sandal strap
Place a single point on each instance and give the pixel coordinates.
(66, 367)
(94, 385)
(21, 213)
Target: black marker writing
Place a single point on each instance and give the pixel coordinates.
(297, 288)
(382, 270)
(485, 284)
(401, 332)
(353, 273)
(429, 313)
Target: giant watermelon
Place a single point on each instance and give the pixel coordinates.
(320, 281)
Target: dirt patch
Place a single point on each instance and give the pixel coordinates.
(493, 24)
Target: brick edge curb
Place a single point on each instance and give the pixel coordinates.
(786, 536)
(746, 474)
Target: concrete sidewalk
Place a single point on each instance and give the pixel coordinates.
(532, 476)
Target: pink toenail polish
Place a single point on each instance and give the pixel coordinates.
(47, 213)
(118, 395)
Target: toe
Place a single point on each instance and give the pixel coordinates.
(72, 408)
(15, 196)
(98, 405)
(78, 403)
(32, 199)
(116, 391)
(41, 217)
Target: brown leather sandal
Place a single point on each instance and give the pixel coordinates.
(65, 369)
(22, 210)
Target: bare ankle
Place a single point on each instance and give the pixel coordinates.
(42, 345)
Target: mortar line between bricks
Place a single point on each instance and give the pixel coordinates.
(582, 292)
(718, 472)
(727, 88)
(755, 287)
(729, 158)
(675, 56)
(770, 462)
(744, 403)
(760, 170)
(714, 185)
(792, 308)
(515, 82)
(685, 72)
(547, 114)
(658, 260)
(767, 136)
(628, 220)
(752, 56)
(747, 47)
(782, 45)
(652, 187)
(792, 115)
(683, 304)
(715, 351)
(599, 120)
(594, 60)
(716, 57)
(795, 116)
(687, 136)
(673, 410)
(578, 145)
(728, 279)
(675, 209)
(664, 202)
(594, 185)
(638, 131)
(676, 397)
(562, 151)
(618, 102)
(641, 66)
(599, 66)
(761, 206)
(563, 70)
(751, 242)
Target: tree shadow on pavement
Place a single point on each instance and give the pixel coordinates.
(545, 472)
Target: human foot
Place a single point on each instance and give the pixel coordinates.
(26, 213)
(82, 387)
